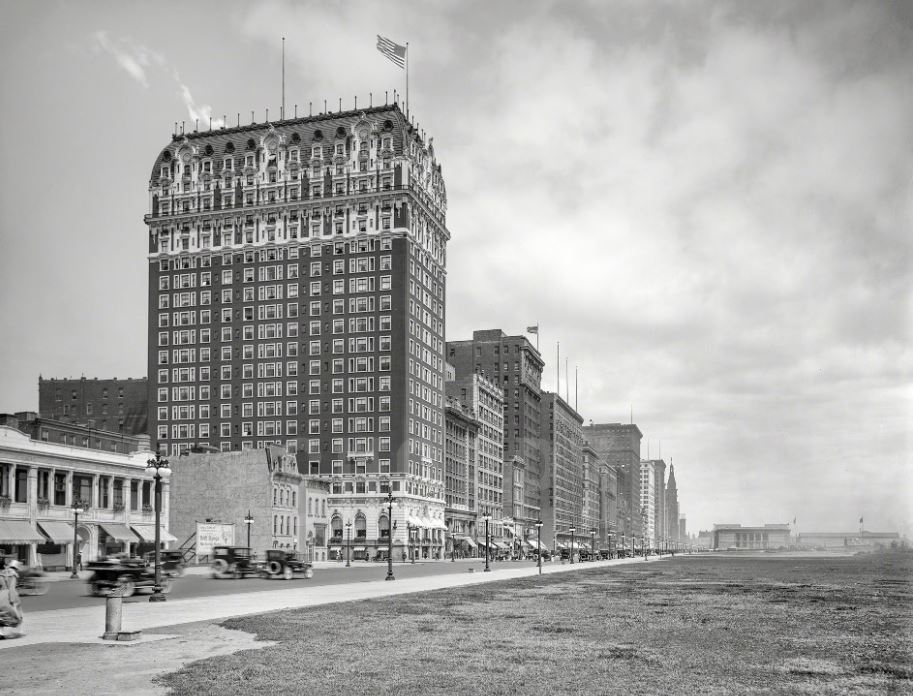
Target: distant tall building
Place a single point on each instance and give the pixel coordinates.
(484, 400)
(592, 488)
(296, 297)
(654, 501)
(461, 476)
(515, 365)
(107, 404)
(671, 507)
(608, 505)
(683, 528)
(648, 501)
(618, 444)
(562, 478)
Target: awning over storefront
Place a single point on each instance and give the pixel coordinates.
(526, 543)
(472, 543)
(438, 524)
(120, 532)
(335, 549)
(426, 523)
(415, 522)
(358, 548)
(534, 543)
(19, 532)
(146, 532)
(508, 524)
(559, 545)
(501, 545)
(57, 532)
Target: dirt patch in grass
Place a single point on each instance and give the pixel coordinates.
(709, 625)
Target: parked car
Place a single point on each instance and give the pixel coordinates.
(285, 564)
(235, 562)
(128, 574)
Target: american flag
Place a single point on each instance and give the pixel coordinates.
(392, 50)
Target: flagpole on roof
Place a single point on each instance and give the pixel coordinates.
(407, 79)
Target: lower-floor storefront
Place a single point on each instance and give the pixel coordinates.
(50, 544)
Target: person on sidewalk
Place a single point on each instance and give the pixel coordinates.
(10, 604)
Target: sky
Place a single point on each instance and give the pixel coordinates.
(708, 204)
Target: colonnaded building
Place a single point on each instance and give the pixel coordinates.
(296, 297)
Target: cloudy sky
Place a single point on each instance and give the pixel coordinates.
(708, 205)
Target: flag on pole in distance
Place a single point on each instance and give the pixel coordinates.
(392, 50)
(532, 329)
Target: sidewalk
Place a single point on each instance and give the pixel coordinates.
(86, 624)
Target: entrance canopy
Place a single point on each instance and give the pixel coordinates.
(120, 532)
(57, 532)
(146, 532)
(19, 532)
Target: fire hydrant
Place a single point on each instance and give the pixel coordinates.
(114, 614)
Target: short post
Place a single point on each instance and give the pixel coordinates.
(114, 604)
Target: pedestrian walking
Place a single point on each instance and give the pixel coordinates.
(10, 604)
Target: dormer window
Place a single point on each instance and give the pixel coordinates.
(207, 167)
(316, 152)
(293, 155)
(186, 170)
(228, 164)
(388, 143)
(339, 148)
(164, 172)
(249, 161)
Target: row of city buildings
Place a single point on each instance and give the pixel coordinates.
(299, 379)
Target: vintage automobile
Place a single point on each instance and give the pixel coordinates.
(127, 574)
(285, 564)
(172, 562)
(235, 562)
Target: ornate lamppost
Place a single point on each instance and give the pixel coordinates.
(539, 545)
(248, 521)
(390, 500)
(160, 466)
(573, 529)
(348, 542)
(487, 519)
(78, 508)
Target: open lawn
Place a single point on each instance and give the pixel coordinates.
(703, 624)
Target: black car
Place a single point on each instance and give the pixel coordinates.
(172, 562)
(235, 562)
(126, 574)
(285, 564)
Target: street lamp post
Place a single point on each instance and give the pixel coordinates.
(348, 542)
(573, 529)
(539, 545)
(487, 519)
(160, 466)
(390, 535)
(409, 528)
(78, 508)
(248, 521)
(593, 535)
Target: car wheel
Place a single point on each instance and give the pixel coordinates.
(219, 567)
(288, 573)
(274, 568)
(128, 587)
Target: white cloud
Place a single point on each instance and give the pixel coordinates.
(198, 113)
(133, 57)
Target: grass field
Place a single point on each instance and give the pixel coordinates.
(691, 625)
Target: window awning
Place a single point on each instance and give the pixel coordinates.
(57, 532)
(426, 523)
(19, 532)
(472, 543)
(538, 544)
(438, 523)
(526, 543)
(358, 548)
(415, 522)
(146, 532)
(118, 531)
(334, 549)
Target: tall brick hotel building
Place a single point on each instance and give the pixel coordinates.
(296, 297)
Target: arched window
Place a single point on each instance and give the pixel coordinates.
(361, 526)
(310, 500)
(294, 498)
(275, 494)
(275, 523)
(323, 507)
(383, 524)
(336, 526)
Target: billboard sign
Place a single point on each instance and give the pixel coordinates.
(211, 534)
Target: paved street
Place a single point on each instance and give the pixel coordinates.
(84, 623)
(67, 594)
